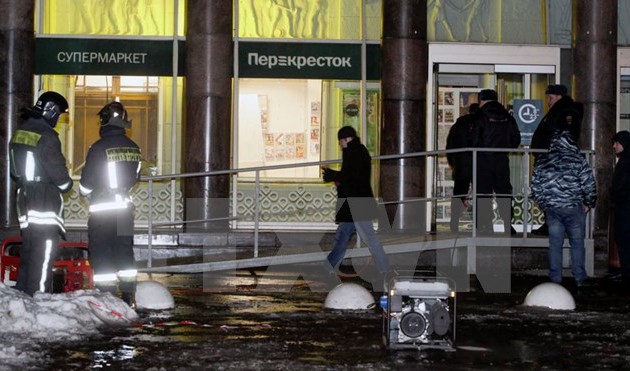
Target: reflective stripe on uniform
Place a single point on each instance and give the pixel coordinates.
(128, 273)
(29, 167)
(105, 277)
(23, 221)
(43, 218)
(44, 276)
(118, 204)
(113, 177)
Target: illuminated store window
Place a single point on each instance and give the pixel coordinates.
(139, 95)
(349, 96)
(112, 17)
(308, 19)
(280, 123)
(344, 104)
(293, 120)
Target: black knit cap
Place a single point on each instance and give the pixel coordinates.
(556, 90)
(623, 137)
(488, 94)
(346, 132)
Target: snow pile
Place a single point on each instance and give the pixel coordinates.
(67, 316)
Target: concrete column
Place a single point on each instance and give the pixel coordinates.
(208, 124)
(17, 51)
(404, 81)
(595, 64)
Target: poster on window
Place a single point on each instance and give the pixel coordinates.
(316, 112)
(285, 146)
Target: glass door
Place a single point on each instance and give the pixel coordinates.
(623, 89)
(455, 86)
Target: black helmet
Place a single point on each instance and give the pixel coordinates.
(114, 114)
(50, 106)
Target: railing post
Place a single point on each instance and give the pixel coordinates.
(150, 225)
(525, 191)
(257, 212)
(474, 194)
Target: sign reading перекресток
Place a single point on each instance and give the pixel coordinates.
(79, 56)
(306, 61)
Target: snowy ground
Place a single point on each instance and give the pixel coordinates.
(284, 327)
(29, 322)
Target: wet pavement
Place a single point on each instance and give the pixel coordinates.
(282, 326)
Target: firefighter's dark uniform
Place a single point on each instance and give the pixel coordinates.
(40, 171)
(111, 169)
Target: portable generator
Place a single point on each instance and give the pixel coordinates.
(419, 313)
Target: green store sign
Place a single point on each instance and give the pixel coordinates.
(82, 56)
(72, 56)
(306, 61)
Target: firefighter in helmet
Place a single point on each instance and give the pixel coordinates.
(39, 169)
(111, 170)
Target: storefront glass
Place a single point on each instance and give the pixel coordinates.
(110, 17)
(624, 102)
(308, 19)
(293, 120)
(152, 102)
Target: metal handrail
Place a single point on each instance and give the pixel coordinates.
(526, 152)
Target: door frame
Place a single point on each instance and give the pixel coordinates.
(480, 58)
(623, 69)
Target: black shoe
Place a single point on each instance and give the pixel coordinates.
(585, 284)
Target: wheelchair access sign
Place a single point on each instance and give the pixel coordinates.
(528, 113)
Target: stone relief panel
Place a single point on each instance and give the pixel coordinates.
(111, 17)
(507, 21)
(559, 14)
(285, 19)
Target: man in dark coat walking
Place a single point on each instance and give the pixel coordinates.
(356, 206)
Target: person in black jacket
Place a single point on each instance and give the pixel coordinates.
(356, 206)
(39, 169)
(496, 128)
(620, 202)
(461, 136)
(563, 114)
(111, 169)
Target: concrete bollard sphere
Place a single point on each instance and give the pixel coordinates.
(550, 295)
